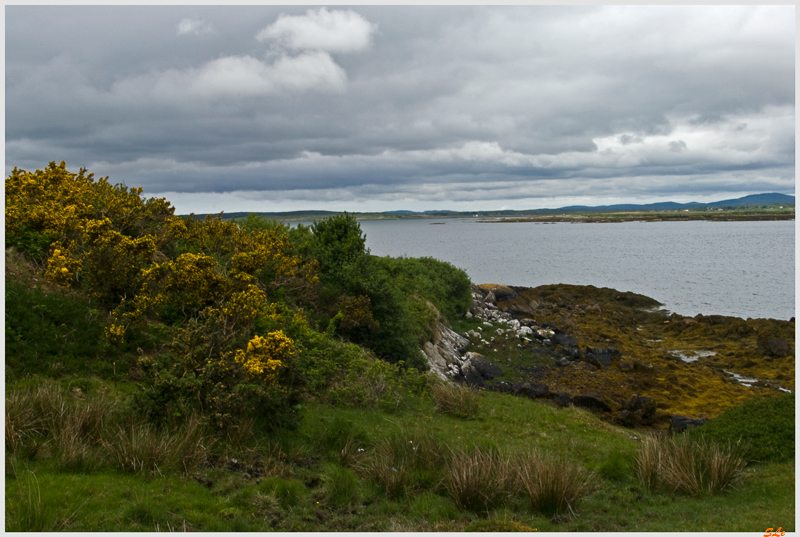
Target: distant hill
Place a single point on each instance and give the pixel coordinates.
(772, 198)
(756, 199)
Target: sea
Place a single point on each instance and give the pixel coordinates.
(741, 269)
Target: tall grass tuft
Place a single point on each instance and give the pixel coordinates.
(22, 424)
(140, 447)
(404, 462)
(647, 463)
(553, 485)
(688, 466)
(30, 513)
(459, 401)
(479, 480)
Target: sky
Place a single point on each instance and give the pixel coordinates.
(380, 108)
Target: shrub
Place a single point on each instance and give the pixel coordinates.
(552, 484)
(480, 480)
(688, 466)
(459, 401)
(764, 424)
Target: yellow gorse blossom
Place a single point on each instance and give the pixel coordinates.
(266, 355)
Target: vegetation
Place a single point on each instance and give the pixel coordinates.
(177, 374)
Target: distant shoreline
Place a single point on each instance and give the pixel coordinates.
(639, 217)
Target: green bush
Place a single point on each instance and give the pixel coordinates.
(54, 334)
(764, 424)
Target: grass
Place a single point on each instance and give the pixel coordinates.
(298, 481)
(480, 480)
(459, 401)
(688, 466)
(552, 484)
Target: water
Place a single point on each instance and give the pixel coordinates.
(742, 269)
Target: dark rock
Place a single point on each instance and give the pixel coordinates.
(564, 340)
(562, 362)
(502, 292)
(601, 357)
(638, 411)
(570, 353)
(592, 402)
(625, 366)
(562, 399)
(487, 369)
(503, 387)
(770, 346)
(681, 423)
(711, 319)
(472, 376)
(534, 390)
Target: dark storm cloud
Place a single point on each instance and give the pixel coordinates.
(407, 105)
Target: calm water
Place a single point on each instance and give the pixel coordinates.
(743, 269)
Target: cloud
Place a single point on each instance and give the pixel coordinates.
(332, 31)
(193, 26)
(236, 76)
(467, 103)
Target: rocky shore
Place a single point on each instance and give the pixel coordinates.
(613, 352)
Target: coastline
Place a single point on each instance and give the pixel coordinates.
(617, 353)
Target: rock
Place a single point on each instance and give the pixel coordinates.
(564, 340)
(570, 353)
(533, 390)
(444, 349)
(471, 376)
(601, 357)
(544, 333)
(592, 402)
(487, 369)
(525, 331)
(769, 346)
(562, 362)
(562, 399)
(638, 411)
(681, 423)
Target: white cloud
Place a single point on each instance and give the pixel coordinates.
(193, 26)
(332, 31)
(237, 76)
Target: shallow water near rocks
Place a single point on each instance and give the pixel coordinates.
(741, 269)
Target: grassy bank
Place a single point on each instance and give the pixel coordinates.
(346, 469)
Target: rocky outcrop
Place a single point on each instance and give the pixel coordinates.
(443, 352)
(444, 355)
